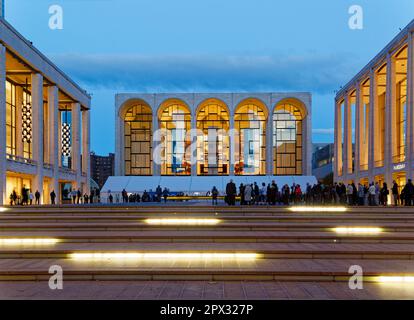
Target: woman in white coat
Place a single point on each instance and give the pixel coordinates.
(248, 194)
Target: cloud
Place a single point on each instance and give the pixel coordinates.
(207, 73)
(329, 131)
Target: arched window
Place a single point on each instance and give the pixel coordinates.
(401, 105)
(250, 139)
(175, 123)
(287, 139)
(213, 140)
(138, 140)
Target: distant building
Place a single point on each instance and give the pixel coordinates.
(102, 167)
(322, 159)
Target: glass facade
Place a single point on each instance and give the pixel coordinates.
(401, 105)
(250, 140)
(287, 140)
(138, 140)
(10, 118)
(213, 141)
(381, 103)
(364, 134)
(175, 125)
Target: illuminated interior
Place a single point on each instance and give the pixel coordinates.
(175, 123)
(213, 142)
(250, 138)
(352, 107)
(287, 139)
(381, 103)
(364, 128)
(400, 106)
(138, 140)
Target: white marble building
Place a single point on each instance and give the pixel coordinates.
(375, 113)
(272, 134)
(36, 100)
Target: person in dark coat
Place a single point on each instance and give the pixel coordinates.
(37, 197)
(408, 193)
(395, 193)
(214, 195)
(241, 192)
(231, 192)
(53, 197)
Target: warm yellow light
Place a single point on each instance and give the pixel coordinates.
(3, 209)
(318, 209)
(395, 279)
(358, 230)
(27, 241)
(162, 256)
(197, 222)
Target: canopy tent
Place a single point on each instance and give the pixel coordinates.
(193, 185)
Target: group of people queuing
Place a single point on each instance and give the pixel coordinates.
(159, 195)
(351, 194)
(26, 197)
(253, 194)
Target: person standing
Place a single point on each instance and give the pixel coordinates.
(165, 194)
(248, 194)
(158, 191)
(53, 197)
(214, 195)
(31, 196)
(384, 194)
(371, 195)
(409, 192)
(361, 194)
(241, 192)
(78, 196)
(395, 194)
(37, 197)
(231, 192)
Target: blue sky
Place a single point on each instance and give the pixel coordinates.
(111, 46)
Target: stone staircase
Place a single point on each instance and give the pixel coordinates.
(288, 246)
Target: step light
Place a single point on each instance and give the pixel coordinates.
(27, 241)
(184, 222)
(395, 279)
(358, 230)
(3, 209)
(163, 256)
(318, 209)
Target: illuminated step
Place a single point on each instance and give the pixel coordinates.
(27, 241)
(183, 221)
(358, 230)
(163, 256)
(3, 209)
(318, 209)
(394, 279)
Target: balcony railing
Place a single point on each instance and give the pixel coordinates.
(19, 159)
(67, 170)
(48, 166)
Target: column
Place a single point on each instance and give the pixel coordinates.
(409, 144)
(269, 145)
(76, 143)
(19, 138)
(3, 189)
(337, 140)
(194, 144)
(358, 129)
(37, 125)
(347, 152)
(307, 143)
(86, 146)
(390, 113)
(232, 144)
(119, 143)
(156, 166)
(54, 141)
(373, 121)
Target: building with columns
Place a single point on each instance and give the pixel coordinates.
(374, 111)
(44, 123)
(212, 135)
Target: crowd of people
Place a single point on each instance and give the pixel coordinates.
(337, 193)
(27, 197)
(351, 194)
